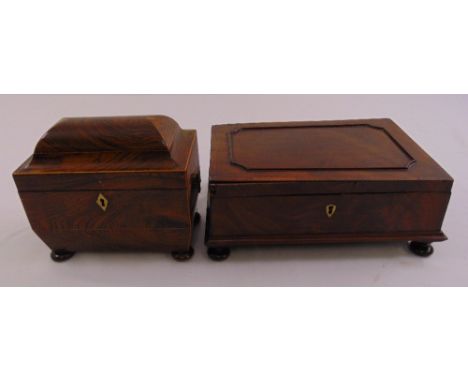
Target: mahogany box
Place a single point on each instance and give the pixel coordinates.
(113, 183)
(322, 182)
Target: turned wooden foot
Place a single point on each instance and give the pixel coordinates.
(183, 255)
(61, 255)
(218, 253)
(421, 249)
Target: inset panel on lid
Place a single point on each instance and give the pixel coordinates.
(353, 147)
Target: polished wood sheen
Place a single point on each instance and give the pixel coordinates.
(113, 183)
(349, 147)
(322, 182)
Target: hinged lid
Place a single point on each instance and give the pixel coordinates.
(372, 155)
(80, 152)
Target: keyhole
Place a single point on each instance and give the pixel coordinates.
(102, 202)
(330, 209)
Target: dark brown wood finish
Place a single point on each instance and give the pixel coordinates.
(277, 183)
(113, 183)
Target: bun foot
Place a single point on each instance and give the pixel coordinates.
(183, 255)
(218, 253)
(61, 255)
(421, 249)
(196, 219)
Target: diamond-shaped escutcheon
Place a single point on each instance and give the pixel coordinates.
(102, 202)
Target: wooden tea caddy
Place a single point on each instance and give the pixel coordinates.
(322, 182)
(113, 183)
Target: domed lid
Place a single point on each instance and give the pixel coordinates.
(154, 148)
(109, 134)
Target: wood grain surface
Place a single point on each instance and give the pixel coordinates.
(146, 168)
(271, 183)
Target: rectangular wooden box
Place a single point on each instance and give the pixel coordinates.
(322, 182)
(119, 183)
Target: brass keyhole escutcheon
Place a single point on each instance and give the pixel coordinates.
(330, 209)
(102, 202)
